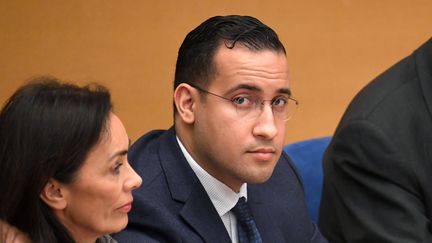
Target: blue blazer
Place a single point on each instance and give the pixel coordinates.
(172, 205)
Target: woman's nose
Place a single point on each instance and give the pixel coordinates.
(133, 181)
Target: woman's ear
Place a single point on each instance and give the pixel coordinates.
(185, 100)
(53, 194)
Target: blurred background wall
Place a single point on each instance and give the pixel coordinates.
(334, 48)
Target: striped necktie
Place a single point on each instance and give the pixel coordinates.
(246, 227)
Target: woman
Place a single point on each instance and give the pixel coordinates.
(64, 174)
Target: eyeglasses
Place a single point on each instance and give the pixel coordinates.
(250, 106)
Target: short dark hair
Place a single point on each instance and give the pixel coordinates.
(47, 129)
(195, 57)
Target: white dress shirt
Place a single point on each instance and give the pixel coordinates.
(222, 197)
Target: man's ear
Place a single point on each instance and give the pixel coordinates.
(53, 194)
(185, 98)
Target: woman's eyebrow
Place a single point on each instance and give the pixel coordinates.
(121, 152)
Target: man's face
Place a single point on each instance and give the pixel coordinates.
(232, 147)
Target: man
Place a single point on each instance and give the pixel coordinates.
(378, 167)
(232, 99)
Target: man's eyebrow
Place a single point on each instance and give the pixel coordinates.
(255, 88)
(244, 86)
(285, 91)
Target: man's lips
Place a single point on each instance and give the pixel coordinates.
(262, 153)
(262, 150)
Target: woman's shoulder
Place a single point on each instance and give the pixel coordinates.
(106, 239)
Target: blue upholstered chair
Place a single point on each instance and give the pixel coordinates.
(307, 156)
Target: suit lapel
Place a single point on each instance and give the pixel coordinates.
(263, 217)
(198, 210)
(200, 213)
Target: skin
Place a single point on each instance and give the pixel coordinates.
(98, 201)
(10, 234)
(233, 149)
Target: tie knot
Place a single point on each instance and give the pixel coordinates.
(241, 211)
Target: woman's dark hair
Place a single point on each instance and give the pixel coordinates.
(47, 129)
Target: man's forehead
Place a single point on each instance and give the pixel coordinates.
(225, 58)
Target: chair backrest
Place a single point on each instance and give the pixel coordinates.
(307, 156)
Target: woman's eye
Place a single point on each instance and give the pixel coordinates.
(117, 167)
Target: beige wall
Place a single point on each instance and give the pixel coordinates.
(334, 48)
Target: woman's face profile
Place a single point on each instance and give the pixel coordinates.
(99, 198)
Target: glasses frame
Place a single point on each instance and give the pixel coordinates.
(296, 102)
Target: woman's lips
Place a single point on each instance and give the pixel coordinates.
(126, 207)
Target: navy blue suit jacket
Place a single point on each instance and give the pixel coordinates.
(172, 205)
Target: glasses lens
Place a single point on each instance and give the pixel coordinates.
(279, 112)
(290, 109)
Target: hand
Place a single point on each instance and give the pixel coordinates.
(10, 234)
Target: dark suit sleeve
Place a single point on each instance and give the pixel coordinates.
(370, 189)
(149, 223)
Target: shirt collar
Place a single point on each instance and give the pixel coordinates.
(222, 197)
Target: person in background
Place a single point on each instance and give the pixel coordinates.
(64, 173)
(378, 167)
(219, 174)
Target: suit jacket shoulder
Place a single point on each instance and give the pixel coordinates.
(377, 166)
(172, 205)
